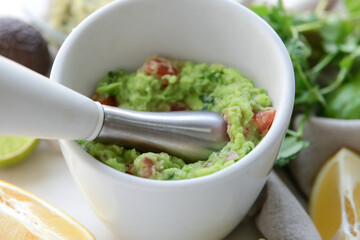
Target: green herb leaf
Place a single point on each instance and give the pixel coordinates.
(290, 147)
(353, 8)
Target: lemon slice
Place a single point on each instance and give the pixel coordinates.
(334, 203)
(14, 149)
(25, 216)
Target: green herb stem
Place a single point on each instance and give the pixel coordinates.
(304, 98)
(308, 27)
(316, 70)
(312, 89)
(343, 73)
(292, 133)
(305, 116)
(339, 79)
(302, 75)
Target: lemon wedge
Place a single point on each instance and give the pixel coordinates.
(26, 216)
(334, 202)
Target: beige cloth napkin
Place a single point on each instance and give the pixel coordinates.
(280, 216)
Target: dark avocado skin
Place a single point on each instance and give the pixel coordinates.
(22, 43)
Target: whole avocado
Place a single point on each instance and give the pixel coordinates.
(344, 103)
(22, 43)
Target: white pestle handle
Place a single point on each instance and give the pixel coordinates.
(32, 105)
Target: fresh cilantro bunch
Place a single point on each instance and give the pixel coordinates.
(325, 51)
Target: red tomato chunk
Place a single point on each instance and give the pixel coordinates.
(263, 120)
(159, 67)
(110, 101)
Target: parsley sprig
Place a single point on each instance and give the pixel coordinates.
(325, 51)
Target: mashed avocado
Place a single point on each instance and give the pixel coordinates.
(67, 14)
(164, 85)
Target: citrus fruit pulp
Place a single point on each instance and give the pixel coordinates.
(334, 203)
(26, 216)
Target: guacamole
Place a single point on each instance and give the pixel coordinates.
(166, 85)
(67, 14)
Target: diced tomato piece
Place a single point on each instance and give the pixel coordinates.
(147, 171)
(232, 155)
(130, 168)
(226, 117)
(246, 131)
(264, 120)
(159, 67)
(178, 107)
(110, 101)
(227, 120)
(207, 164)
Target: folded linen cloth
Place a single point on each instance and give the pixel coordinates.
(280, 216)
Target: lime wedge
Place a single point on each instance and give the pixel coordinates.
(15, 149)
